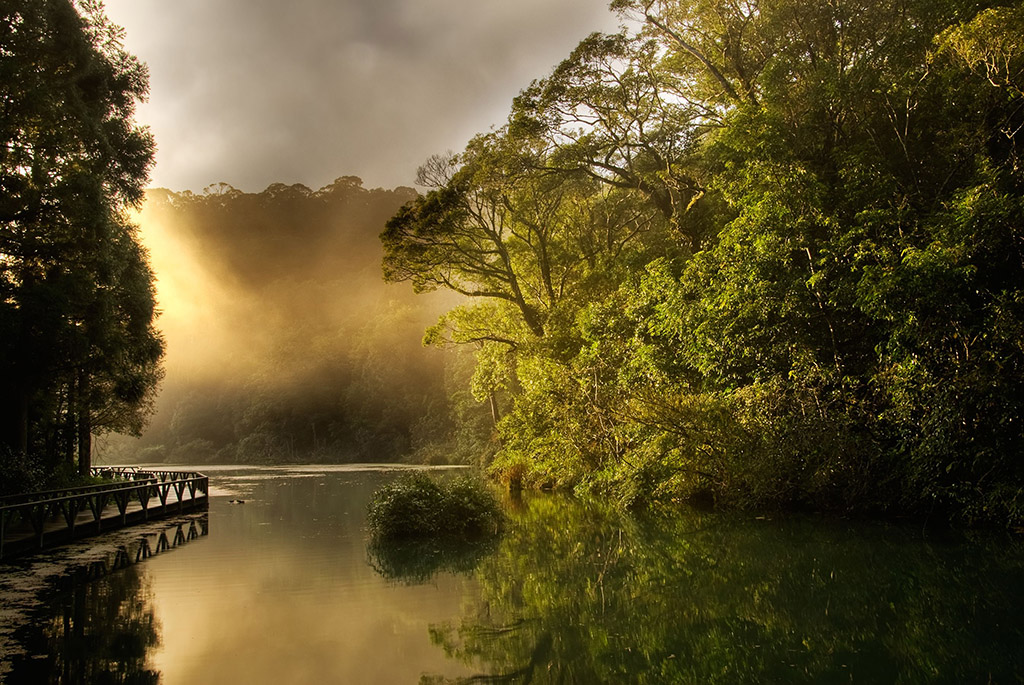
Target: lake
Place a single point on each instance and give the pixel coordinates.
(285, 588)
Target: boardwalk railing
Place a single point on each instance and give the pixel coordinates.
(40, 519)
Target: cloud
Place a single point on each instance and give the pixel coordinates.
(252, 92)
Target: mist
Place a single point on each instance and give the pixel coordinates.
(283, 341)
(280, 332)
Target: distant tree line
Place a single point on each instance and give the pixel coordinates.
(79, 354)
(317, 358)
(758, 253)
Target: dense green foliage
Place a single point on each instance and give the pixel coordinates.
(764, 253)
(418, 506)
(284, 343)
(78, 350)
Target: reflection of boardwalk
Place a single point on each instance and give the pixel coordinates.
(29, 585)
(43, 519)
(146, 545)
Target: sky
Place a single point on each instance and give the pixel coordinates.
(254, 92)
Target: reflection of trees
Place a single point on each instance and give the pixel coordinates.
(416, 561)
(579, 594)
(95, 633)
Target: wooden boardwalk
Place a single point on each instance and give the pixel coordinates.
(39, 520)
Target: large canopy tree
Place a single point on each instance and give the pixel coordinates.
(525, 242)
(612, 113)
(834, 316)
(79, 350)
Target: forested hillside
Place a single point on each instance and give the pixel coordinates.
(755, 253)
(284, 344)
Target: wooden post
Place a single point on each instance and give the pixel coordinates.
(37, 516)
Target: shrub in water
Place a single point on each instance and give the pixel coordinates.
(417, 506)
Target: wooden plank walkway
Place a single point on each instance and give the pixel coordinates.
(39, 520)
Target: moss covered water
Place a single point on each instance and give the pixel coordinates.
(287, 588)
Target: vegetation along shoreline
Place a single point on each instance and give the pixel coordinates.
(757, 256)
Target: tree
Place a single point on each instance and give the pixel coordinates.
(838, 300)
(527, 244)
(500, 227)
(81, 353)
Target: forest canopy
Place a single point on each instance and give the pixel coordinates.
(761, 253)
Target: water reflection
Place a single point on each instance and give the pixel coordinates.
(285, 589)
(579, 594)
(417, 561)
(94, 621)
(99, 632)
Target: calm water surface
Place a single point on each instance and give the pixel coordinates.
(284, 589)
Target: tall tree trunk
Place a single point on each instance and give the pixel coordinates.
(84, 426)
(493, 399)
(14, 421)
(22, 431)
(69, 438)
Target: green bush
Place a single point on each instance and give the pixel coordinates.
(417, 506)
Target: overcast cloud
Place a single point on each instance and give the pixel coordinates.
(252, 92)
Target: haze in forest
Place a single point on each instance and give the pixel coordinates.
(242, 275)
(258, 297)
(283, 341)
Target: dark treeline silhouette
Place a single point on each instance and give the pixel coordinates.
(285, 344)
(79, 354)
